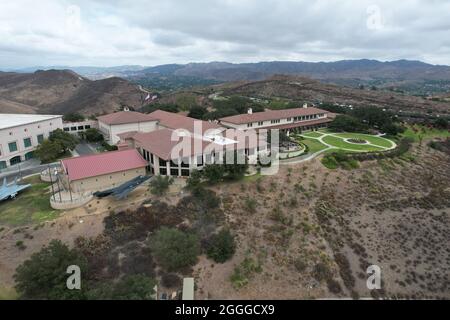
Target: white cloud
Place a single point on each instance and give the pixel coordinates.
(96, 32)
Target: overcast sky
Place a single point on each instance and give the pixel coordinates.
(152, 32)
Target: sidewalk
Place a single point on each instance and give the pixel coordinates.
(24, 169)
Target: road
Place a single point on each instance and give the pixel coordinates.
(84, 148)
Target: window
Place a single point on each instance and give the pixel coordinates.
(199, 161)
(260, 123)
(80, 128)
(289, 119)
(162, 163)
(12, 146)
(174, 172)
(151, 158)
(249, 125)
(66, 129)
(40, 138)
(73, 128)
(163, 171)
(87, 126)
(275, 121)
(185, 173)
(27, 142)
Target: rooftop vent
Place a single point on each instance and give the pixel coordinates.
(250, 111)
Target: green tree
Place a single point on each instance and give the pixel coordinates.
(66, 140)
(44, 275)
(73, 117)
(221, 246)
(48, 151)
(93, 135)
(441, 123)
(160, 184)
(214, 173)
(175, 249)
(129, 287)
(347, 123)
(194, 182)
(197, 112)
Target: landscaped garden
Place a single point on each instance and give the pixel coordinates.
(325, 140)
(31, 206)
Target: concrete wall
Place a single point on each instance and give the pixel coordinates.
(105, 181)
(111, 131)
(75, 127)
(19, 133)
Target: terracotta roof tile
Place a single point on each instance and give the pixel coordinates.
(124, 117)
(102, 163)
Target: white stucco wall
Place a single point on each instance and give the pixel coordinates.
(19, 133)
(111, 131)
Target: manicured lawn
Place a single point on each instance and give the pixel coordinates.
(31, 206)
(372, 139)
(425, 132)
(340, 143)
(314, 145)
(313, 134)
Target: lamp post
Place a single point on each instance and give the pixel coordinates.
(59, 188)
(51, 182)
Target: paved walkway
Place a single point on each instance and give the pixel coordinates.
(393, 144)
(24, 169)
(308, 157)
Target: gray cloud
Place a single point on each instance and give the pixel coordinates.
(99, 32)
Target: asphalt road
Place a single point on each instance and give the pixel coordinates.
(85, 148)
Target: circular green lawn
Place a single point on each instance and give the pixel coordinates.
(373, 143)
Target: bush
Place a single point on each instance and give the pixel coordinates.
(171, 280)
(244, 271)
(93, 135)
(175, 249)
(221, 246)
(160, 184)
(73, 117)
(44, 276)
(108, 147)
(330, 162)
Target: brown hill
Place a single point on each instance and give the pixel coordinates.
(313, 91)
(64, 91)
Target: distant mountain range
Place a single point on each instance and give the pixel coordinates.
(64, 91)
(414, 76)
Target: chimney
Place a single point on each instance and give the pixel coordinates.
(305, 105)
(250, 111)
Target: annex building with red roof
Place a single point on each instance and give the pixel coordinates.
(102, 171)
(288, 120)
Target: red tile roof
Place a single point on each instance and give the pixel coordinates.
(160, 143)
(102, 163)
(177, 121)
(272, 115)
(124, 117)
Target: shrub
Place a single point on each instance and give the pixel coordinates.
(160, 184)
(44, 276)
(330, 162)
(221, 246)
(175, 249)
(244, 271)
(170, 280)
